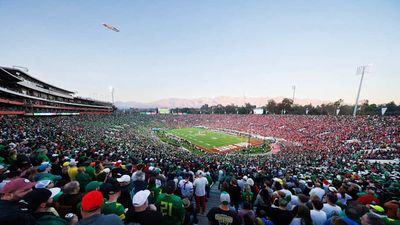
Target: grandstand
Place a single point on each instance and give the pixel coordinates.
(22, 94)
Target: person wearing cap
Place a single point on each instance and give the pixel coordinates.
(111, 193)
(223, 214)
(369, 197)
(72, 169)
(170, 205)
(93, 186)
(37, 202)
(141, 213)
(11, 193)
(91, 211)
(44, 172)
(126, 187)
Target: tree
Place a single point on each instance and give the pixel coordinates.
(271, 106)
(231, 109)
(285, 105)
(205, 109)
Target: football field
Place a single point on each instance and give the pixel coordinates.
(207, 139)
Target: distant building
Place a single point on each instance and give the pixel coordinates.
(22, 94)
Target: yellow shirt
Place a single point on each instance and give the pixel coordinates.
(72, 172)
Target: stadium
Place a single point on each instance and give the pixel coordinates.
(199, 113)
(300, 154)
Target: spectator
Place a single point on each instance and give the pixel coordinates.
(330, 208)
(223, 214)
(36, 202)
(170, 206)
(303, 216)
(317, 215)
(200, 192)
(141, 213)
(91, 211)
(280, 215)
(11, 193)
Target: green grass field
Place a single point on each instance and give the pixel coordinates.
(205, 138)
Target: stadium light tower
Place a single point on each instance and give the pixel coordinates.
(294, 91)
(360, 70)
(111, 88)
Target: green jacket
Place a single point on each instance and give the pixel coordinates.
(83, 179)
(49, 218)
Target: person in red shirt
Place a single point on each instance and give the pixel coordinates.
(369, 197)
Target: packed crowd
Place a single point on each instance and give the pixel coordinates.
(114, 170)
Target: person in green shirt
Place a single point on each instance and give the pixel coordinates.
(83, 178)
(170, 205)
(247, 195)
(111, 192)
(154, 190)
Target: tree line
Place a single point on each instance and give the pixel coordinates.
(286, 106)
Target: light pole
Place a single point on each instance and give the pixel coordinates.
(294, 91)
(360, 70)
(111, 88)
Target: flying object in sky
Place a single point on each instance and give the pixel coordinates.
(108, 26)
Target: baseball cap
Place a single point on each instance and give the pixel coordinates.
(332, 189)
(44, 166)
(225, 198)
(33, 199)
(55, 191)
(92, 201)
(377, 209)
(140, 198)
(108, 189)
(124, 178)
(17, 184)
(93, 185)
(73, 162)
(42, 184)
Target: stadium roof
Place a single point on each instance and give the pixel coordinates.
(16, 73)
(7, 76)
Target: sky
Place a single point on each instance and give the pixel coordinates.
(207, 48)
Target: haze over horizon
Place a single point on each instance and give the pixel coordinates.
(205, 49)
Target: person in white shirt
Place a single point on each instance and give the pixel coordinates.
(200, 192)
(330, 208)
(317, 215)
(186, 187)
(318, 191)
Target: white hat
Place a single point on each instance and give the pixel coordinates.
(54, 191)
(250, 182)
(73, 162)
(140, 198)
(42, 184)
(244, 177)
(225, 198)
(107, 170)
(332, 189)
(124, 178)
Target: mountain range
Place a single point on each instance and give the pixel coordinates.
(223, 100)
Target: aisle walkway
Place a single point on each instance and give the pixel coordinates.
(211, 202)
